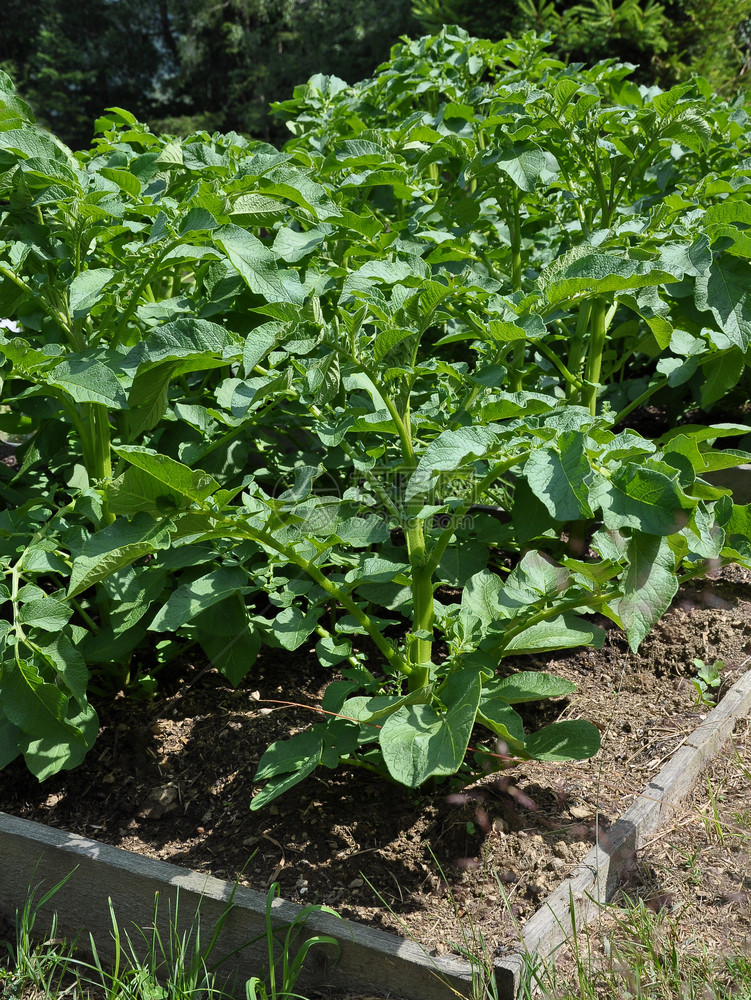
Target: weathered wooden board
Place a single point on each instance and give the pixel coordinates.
(34, 855)
(372, 960)
(596, 879)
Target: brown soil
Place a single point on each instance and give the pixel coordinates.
(172, 779)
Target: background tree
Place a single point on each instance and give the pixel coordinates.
(668, 41)
(187, 64)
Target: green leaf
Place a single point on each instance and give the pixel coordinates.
(258, 343)
(47, 614)
(68, 663)
(449, 452)
(562, 741)
(88, 381)
(649, 586)
(599, 273)
(37, 707)
(229, 639)
(291, 628)
(721, 373)
(46, 755)
(233, 656)
(117, 545)
(527, 685)
(640, 498)
(9, 748)
(724, 291)
(137, 492)
(565, 631)
(287, 762)
(86, 290)
(190, 483)
(559, 475)
(332, 650)
(190, 599)
(418, 742)
(256, 264)
(500, 718)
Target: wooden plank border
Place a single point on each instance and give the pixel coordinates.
(597, 877)
(32, 855)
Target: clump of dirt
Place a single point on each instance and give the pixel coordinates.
(172, 779)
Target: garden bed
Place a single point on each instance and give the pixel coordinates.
(171, 780)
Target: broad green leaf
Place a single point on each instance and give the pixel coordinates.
(256, 264)
(301, 189)
(642, 499)
(721, 373)
(559, 476)
(481, 597)
(291, 245)
(449, 452)
(86, 290)
(565, 631)
(562, 741)
(124, 179)
(190, 599)
(182, 339)
(258, 210)
(291, 628)
(9, 736)
(51, 753)
(418, 742)
(599, 273)
(232, 655)
(527, 685)
(88, 381)
(649, 586)
(190, 483)
(48, 614)
(68, 663)
(258, 343)
(37, 707)
(332, 650)
(136, 491)
(277, 786)
(500, 718)
(724, 291)
(117, 545)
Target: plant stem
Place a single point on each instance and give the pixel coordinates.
(598, 331)
(343, 598)
(96, 448)
(576, 350)
(515, 228)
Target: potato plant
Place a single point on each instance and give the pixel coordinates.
(367, 392)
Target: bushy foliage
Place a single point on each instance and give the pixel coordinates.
(368, 395)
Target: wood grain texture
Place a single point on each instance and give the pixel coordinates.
(596, 879)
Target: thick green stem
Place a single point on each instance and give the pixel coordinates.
(421, 645)
(515, 228)
(95, 428)
(597, 336)
(576, 350)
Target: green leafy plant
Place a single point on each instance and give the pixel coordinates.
(369, 391)
(286, 957)
(707, 681)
